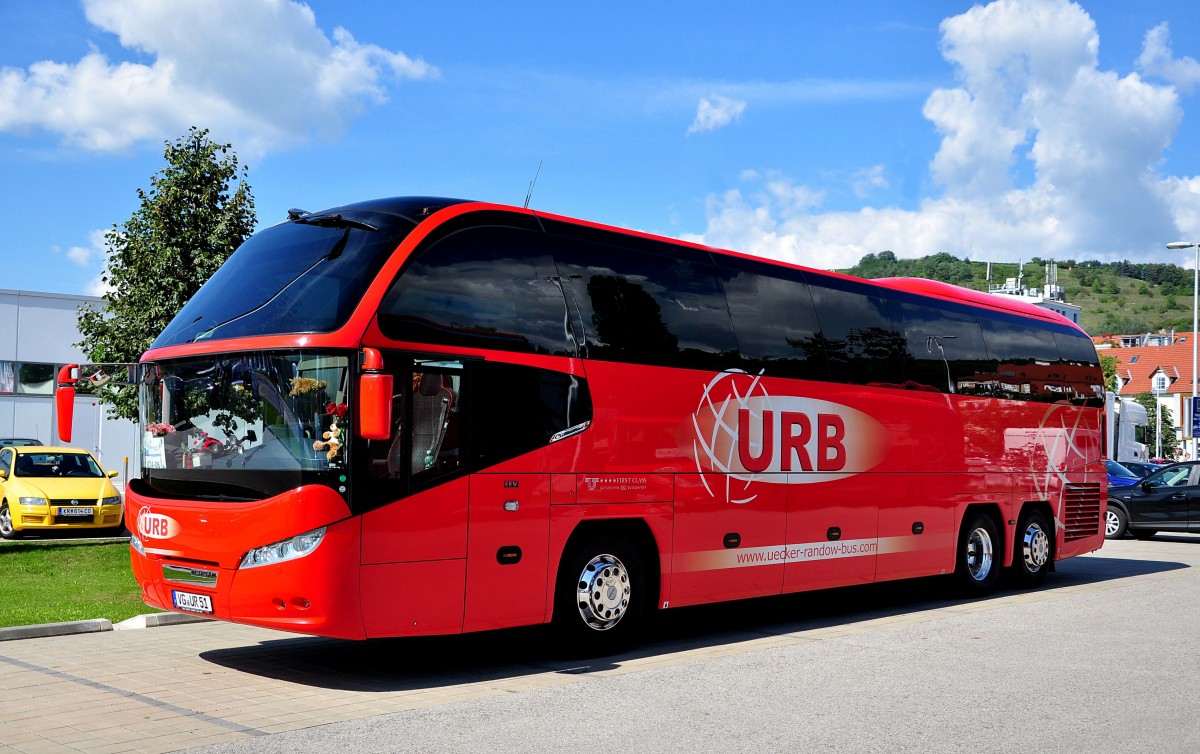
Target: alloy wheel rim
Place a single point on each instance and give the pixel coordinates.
(1111, 523)
(979, 554)
(1035, 547)
(603, 592)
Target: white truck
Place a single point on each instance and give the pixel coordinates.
(1125, 421)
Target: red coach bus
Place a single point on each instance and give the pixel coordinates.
(425, 416)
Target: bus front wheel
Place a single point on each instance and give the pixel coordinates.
(978, 567)
(601, 596)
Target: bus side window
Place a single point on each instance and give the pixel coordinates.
(433, 400)
(645, 308)
(1029, 363)
(774, 320)
(486, 287)
(944, 350)
(424, 442)
(861, 343)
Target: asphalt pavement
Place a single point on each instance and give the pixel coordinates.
(1102, 658)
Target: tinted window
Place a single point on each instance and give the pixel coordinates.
(774, 320)
(515, 409)
(944, 350)
(1080, 367)
(1011, 343)
(1028, 363)
(487, 287)
(1076, 349)
(289, 278)
(646, 308)
(860, 342)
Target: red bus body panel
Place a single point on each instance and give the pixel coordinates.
(306, 595)
(747, 486)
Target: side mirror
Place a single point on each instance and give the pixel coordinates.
(374, 398)
(113, 474)
(64, 399)
(3, 474)
(1147, 486)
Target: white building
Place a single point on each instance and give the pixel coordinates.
(1049, 297)
(37, 333)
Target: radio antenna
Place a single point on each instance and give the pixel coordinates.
(529, 193)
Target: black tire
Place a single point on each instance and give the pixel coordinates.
(1115, 523)
(1033, 549)
(600, 602)
(6, 526)
(977, 566)
(1143, 533)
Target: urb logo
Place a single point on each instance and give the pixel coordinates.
(751, 436)
(155, 525)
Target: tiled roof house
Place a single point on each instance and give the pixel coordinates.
(1162, 369)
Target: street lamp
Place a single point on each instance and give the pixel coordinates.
(1177, 245)
(1158, 418)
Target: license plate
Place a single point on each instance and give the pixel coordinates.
(76, 511)
(195, 603)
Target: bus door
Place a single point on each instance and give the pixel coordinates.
(832, 532)
(727, 540)
(414, 495)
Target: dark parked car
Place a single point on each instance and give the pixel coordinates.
(1142, 469)
(1119, 476)
(18, 441)
(1167, 500)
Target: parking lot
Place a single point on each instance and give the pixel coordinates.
(1101, 658)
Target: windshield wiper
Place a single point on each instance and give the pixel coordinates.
(331, 220)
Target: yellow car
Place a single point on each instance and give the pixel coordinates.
(52, 489)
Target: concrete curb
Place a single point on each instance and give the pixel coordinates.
(95, 625)
(56, 629)
(158, 619)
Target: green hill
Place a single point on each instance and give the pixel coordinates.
(1115, 297)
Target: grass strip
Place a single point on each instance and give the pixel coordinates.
(52, 582)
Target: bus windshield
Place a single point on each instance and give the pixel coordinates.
(244, 425)
(299, 276)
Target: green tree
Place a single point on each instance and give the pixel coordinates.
(1108, 365)
(189, 222)
(1170, 443)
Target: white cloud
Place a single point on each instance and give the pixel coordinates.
(86, 256)
(1031, 95)
(94, 257)
(1157, 60)
(258, 72)
(715, 112)
(863, 181)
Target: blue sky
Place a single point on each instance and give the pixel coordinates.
(811, 132)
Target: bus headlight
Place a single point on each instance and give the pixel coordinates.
(289, 549)
(136, 544)
(33, 501)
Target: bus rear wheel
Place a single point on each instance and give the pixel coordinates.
(977, 567)
(1034, 550)
(601, 596)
